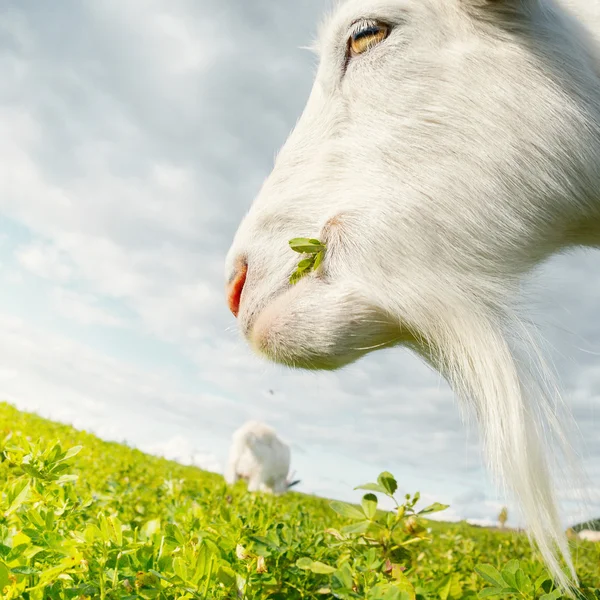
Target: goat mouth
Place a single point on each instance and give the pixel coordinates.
(247, 323)
(251, 310)
(250, 315)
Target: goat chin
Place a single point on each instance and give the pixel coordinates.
(344, 326)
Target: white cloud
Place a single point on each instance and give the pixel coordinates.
(44, 260)
(483, 522)
(181, 450)
(6, 374)
(84, 309)
(66, 380)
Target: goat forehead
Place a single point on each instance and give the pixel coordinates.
(348, 7)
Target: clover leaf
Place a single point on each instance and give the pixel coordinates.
(315, 250)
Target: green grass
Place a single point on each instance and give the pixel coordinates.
(82, 518)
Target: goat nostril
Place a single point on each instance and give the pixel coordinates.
(235, 287)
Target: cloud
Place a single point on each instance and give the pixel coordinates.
(181, 450)
(44, 260)
(65, 380)
(84, 309)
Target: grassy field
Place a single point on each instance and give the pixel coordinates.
(81, 518)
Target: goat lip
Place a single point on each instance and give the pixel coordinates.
(247, 324)
(248, 316)
(249, 313)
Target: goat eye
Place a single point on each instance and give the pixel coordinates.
(366, 34)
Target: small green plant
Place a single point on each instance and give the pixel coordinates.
(373, 548)
(314, 249)
(518, 580)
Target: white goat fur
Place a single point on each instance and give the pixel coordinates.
(260, 457)
(440, 167)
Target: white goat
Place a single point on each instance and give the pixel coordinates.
(448, 147)
(260, 457)
(588, 534)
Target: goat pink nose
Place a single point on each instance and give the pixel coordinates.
(235, 287)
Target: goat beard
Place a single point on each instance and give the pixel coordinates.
(518, 410)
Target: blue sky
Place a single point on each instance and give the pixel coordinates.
(133, 137)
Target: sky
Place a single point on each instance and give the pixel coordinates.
(133, 138)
